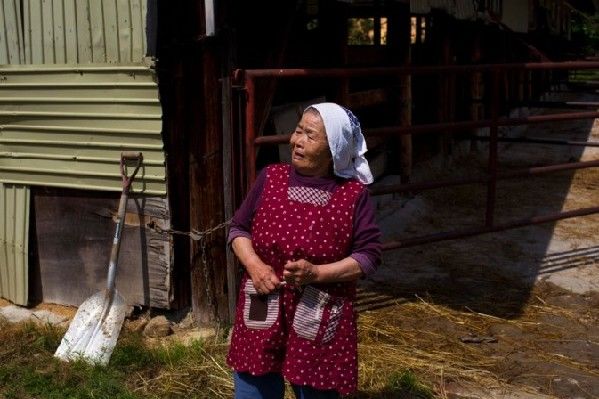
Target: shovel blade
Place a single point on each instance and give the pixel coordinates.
(94, 330)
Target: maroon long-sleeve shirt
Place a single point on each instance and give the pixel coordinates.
(366, 246)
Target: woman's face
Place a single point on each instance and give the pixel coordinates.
(310, 153)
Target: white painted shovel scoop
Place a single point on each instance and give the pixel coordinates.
(93, 332)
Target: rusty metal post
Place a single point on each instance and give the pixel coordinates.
(493, 130)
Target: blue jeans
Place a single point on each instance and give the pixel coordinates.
(272, 386)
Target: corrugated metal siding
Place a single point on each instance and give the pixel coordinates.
(87, 31)
(11, 34)
(14, 232)
(66, 126)
(72, 31)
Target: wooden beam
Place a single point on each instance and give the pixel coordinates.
(208, 271)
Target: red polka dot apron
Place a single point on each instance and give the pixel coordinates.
(308, 334)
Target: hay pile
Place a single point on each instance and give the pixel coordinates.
(442, 341)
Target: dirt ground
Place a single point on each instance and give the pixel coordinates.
(512, 314)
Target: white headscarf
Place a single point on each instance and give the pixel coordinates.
(346, 142)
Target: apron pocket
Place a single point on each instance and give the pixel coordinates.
(259, 311)
(309, 312)
(334, 318)
(258, 307)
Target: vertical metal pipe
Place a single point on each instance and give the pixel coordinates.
(492, 167)
(250, 132)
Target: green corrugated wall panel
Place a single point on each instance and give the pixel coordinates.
(14, 231)
(82, 32)
(65, 119)
(131, 73)
(11, 34)
(66, 127)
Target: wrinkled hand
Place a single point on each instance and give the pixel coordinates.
(300, 272)
(264, 278)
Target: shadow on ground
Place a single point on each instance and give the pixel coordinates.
(494, 272)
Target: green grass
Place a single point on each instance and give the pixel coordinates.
(405, 384)
(584, 75)
(28, 368)
(52, 380)
(137, 369)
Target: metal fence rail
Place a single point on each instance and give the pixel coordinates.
(247, 80)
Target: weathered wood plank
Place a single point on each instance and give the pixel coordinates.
(208, 272)
(73, 234)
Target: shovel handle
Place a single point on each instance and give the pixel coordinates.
(130, 156)
(116, 241)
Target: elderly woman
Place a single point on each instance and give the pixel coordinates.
(305, 234)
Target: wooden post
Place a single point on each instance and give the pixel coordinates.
(405, 96)
(178, 184)
(521, 75)
(493, 136)
(399, 53)
(444, 86)
(207, 256)
(227, 141)
(476, 88)
(451, 81)
(171, 75)
(334, 26)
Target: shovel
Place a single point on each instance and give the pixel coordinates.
(94, 330)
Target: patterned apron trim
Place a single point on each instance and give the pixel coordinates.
(310, 314)
(334, 318)
(259, 311)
